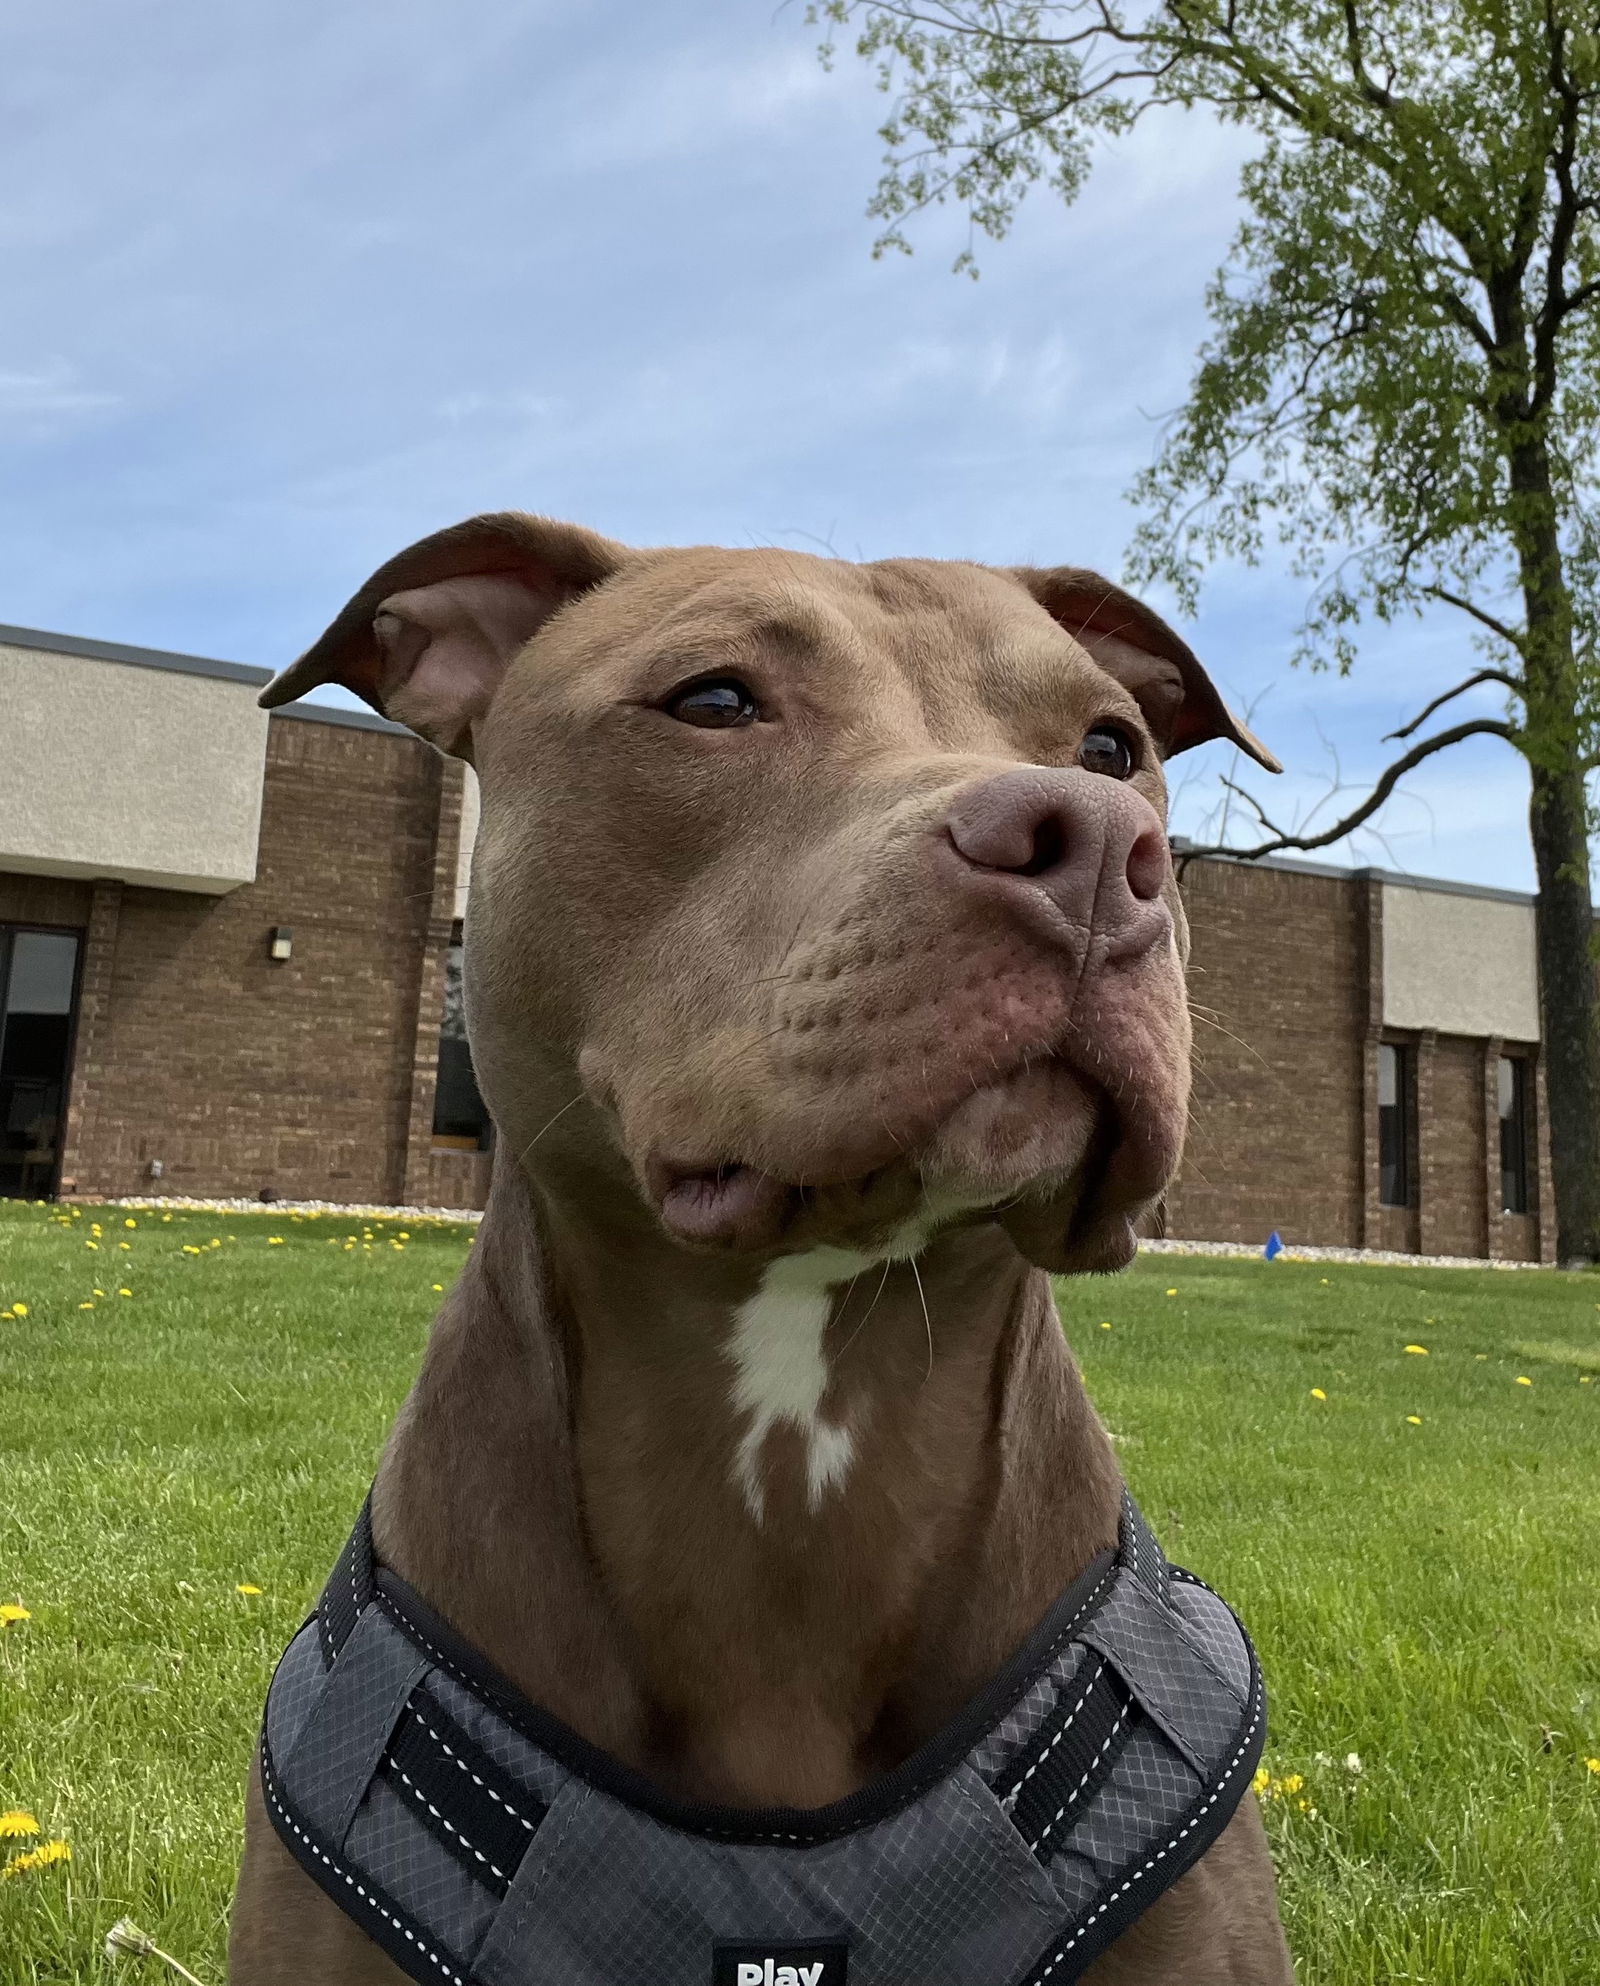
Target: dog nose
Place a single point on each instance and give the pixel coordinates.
(1074, 845)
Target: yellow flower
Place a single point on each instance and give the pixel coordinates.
(1262, 1780)
(1420, 1350)
(16, 1823)
(248, 1589)
(439, 1288)
(1593, 1764)
(1585, 1378)
(124, 1292)
(87, 1304)
(38, 1858)
(1317, 1393)
(1104, 1327)
(13, 1611)
(1523, 1382)
(99, 1292)
(1291, 1782)
(1414, 1420)
(19, 1310)
(274, 1240)
(1172, 1292)
(130, 1222)
(91, 1244)
(405, 1234)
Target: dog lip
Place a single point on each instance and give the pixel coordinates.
(720, 1204)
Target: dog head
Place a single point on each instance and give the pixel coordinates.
(812, 902)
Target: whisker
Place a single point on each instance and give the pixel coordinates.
(528, 1147)
(926, 1319)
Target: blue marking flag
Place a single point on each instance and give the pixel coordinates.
(1274, 1247)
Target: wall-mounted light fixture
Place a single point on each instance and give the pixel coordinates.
(282, 944)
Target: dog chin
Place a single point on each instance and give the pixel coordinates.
(1030, 1151)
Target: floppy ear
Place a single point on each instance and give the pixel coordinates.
(427, 639)
(1156, 667)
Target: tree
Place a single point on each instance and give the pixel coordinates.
(1401, 385)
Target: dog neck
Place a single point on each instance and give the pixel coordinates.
(756, 1530)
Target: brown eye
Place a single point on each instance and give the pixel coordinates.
(715, 706)
(1109, 750)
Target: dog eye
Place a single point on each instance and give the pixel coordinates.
(717, 705)
(1109, 750)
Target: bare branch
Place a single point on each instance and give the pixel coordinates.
(1448, 696)
(1514, 636)
(1282, 838)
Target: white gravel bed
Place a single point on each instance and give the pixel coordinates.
(173, 1203)
(1242, 1250)
(1295, 1253)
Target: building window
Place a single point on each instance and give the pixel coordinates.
(38, 985)
(1397, 1120)
(460, 1120)
(1516, 1139)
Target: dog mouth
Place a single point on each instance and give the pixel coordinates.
(1038, 1149)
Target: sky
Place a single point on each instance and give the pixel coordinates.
(287, 288)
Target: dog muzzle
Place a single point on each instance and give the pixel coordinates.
(481, 1842)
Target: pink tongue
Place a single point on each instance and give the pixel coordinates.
(739, 1205)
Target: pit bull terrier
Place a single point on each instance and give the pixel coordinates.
(825, 981)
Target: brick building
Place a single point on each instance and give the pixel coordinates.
(229, 964)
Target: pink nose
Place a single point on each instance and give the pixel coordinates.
(1073, 851)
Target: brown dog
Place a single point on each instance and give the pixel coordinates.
(825, 979)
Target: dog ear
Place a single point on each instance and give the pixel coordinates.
(428, 638)
(1134, 644)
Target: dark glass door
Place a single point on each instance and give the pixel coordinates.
(38, 997)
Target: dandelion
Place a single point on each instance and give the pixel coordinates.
(130, 1222)
(99, 1292)
(87, 1304)
(124, 1291)
(1291, 1782)
(15, 1824)
(19, 1310)
(1420, 1350)
(1352, 1764)
(12, 1612)
(274, 1240)
(1413, 1420)
(41, 1857)
(248, 1590)
(1522, 1381)
(1317, 1393)
(405, 1234)
(1585, 1378)
(1104, 1327)
(91, 1244)
(438, 1290)
(1593, 1764)
(1262, 1780)
(125, 1939)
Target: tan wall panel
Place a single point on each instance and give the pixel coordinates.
(111, 769)
(1459, 964)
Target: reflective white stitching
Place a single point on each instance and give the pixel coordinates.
(1117, 1724)
(462, 1766)
(1010, 1799)
(350, 1882)
(445, 1821)
(1160, 1855)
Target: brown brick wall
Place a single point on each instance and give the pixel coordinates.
(1453, 1159)
(1277, 978)
(239, 1073)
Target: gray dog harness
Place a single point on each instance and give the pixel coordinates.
(481, 1842)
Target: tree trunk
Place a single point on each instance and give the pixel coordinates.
(1569, 1003)
(1569, 981)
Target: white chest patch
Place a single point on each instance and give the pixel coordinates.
(781, 1373)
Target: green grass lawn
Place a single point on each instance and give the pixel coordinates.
(1424, 1593)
